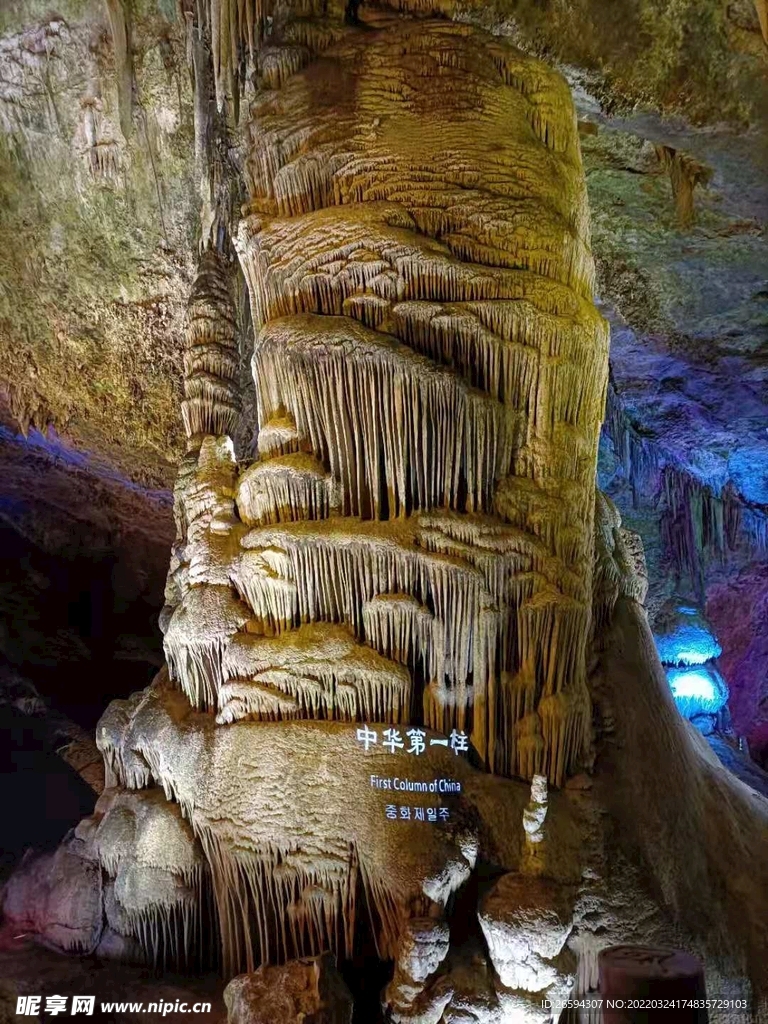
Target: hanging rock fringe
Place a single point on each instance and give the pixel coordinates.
(490, 598)
(316, 671)
(289, 878)
(157, 883)
(416, 435)
(119, 12)
(276, 905)
(236, 27)
(196, 638)
(285, 488)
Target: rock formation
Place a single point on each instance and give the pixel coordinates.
(414, 587)
(309, 990)
(430, 377)
(685, 174)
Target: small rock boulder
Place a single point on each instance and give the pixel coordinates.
(57, 897)
(526, 921)
(306, 991)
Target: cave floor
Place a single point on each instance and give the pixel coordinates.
(28, 969)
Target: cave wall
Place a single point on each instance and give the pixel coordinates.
(96, 229)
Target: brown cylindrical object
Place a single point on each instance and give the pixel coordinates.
(646, 984)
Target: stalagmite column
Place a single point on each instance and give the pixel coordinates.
(417, 254)
(411, 551)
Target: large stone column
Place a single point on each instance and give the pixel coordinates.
(412, 549)
(430, 370)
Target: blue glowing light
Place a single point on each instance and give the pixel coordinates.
(687, 640)
(51, 447)
(698, 690)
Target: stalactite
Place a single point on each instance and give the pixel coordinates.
(277, 904)
(335, 570)
(425, 354)
(640, 457)
(426, 332)
(278, 435)
(620, 568)
(685, 174)
(211, 391)
(374, 248)
(699, 523)
(285, 488)
(104, 161)
(100, 150)
(472, 572)
(320, 669)
(206, 522)
(693, 525)
(197, 636)
(236, 26)
(405, 407)
(158, 888)
(406, 631)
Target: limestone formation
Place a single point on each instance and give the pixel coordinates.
(303, 992)
(417, 550)
(130, 884)
(413, 544)
(429, 376)
(211, 394)
(119, 12)
(685, 174)
(699, 809)
(58, 897)
(288, 874)
(412, 994)
(526, 923)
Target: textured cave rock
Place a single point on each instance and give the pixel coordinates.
(57, 896)
(308, 991)
(526, 922)
(737, 607)
(410, 301)
(684, 454)
(717, 901)
(97, 211)
(128, 883)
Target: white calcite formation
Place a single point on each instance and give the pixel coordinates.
(291, 828)
(526, 923)
(316, 671)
